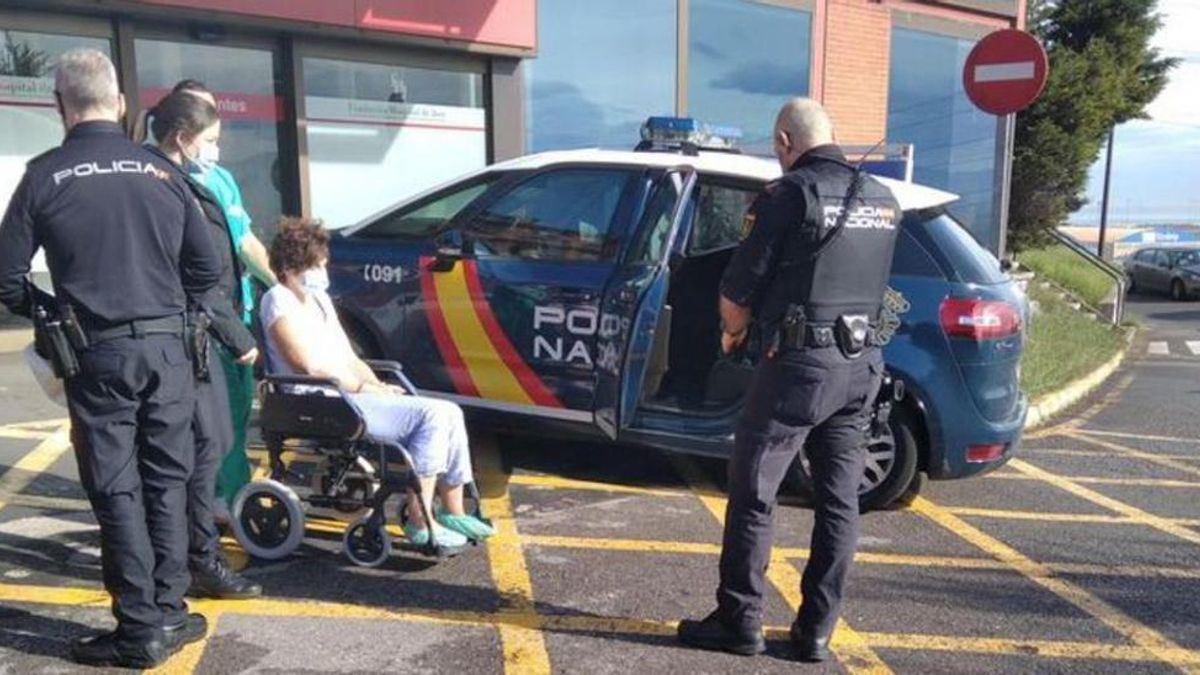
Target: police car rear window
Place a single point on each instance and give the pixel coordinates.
(953, 245)
(417, 221)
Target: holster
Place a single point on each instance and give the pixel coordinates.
(58, 339)
(198, 344)
(792, 331)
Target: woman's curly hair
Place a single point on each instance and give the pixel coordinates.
(300, 244)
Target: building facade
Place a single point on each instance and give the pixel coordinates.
(338, 108)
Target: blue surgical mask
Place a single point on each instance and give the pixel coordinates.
(315, 280)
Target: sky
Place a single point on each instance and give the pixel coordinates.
(1156, 164)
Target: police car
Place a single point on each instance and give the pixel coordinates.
(575, 292)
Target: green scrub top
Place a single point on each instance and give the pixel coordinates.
(221, 183)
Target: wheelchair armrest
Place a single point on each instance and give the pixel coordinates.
(273, 381)
(391, 372)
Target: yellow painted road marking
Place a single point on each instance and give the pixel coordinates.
(1182, 467)
(622, 545)
(1131, 512)
(1101, 480)
(1139, 437)
(1004, 514)
(28, 468)
(855, 654)
(18, 433)
(1110, 398)
(51, 424)
(1099, 453)
(521, 635)
(559, 483)
(1039, 648)
(1160, 646)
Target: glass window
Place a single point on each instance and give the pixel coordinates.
(602, 68)
(1161, 259)
(911, 259)
(720, 213)
(650, 243)
(29, 121)
(429, 217)
(1186, 258)
(954, 142)
(378, 134)
(558, 215)
(246, 84)
(744, 60)
(970, 262)
(1143, 255)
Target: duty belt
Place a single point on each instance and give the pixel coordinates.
(815, 336)
(167, 325)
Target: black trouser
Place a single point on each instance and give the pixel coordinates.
(820, 396)
(213, 428)
(131, 410)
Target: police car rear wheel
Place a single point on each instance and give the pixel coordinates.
(890, 476)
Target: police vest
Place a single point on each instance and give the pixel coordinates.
(830, 272)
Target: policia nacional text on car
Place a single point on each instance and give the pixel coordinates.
(126, 245)
(811, 273)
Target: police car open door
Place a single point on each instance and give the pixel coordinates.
(634, 318)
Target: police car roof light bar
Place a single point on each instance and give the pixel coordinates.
(686, 135)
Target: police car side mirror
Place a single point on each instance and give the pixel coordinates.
(446, 258)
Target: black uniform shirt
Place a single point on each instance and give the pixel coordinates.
(778, 209)
(124, 238)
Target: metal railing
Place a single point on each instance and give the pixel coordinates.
(1114, 272)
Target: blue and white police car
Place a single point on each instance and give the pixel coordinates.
(575, 292)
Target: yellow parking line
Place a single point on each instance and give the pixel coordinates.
(34, 463)
(17, 433)
(1002, 646)
(1140, 437)
(1004, 514)
(622, 545)
(1130, 512)
(1101, 480)
(557, 482)
(521, 637)
(1182, 467)
(855, 654)
(1110, 398)
(1099, 453)
(1160, 646)
(51, 424)
(1145, 571)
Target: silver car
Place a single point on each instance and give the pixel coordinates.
(1175, 271)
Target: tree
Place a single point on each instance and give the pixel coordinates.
(1103, 72)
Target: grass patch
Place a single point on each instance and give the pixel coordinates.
(1063, 344)
(1069, 270)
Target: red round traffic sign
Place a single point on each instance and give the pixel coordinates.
(1005, 72)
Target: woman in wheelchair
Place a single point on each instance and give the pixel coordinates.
(304, 337)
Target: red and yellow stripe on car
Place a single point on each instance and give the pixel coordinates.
(478, 355)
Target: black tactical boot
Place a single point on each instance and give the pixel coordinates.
(712, 633)
(216, 580)
(809, 648)
(112, 650)
(192, 629)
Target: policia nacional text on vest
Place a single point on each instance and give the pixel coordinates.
(812, 267)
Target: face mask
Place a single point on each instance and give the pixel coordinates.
(207, 157)
(315, 280)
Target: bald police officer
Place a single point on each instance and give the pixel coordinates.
(125, 244)
(811, 273)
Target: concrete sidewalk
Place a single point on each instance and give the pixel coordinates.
(15, 332)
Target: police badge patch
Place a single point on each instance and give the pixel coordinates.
(894, 304)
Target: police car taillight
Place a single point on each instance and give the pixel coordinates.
(673, 133)
(979, 320)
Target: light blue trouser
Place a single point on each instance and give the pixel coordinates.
(433, 431)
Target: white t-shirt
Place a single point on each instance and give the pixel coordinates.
(318, 323)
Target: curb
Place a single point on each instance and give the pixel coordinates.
(1041, 410)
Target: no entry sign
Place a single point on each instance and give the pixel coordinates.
(1005, 72)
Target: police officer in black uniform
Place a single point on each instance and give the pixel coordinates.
(810, 274)
(179, 121)
(126, 245)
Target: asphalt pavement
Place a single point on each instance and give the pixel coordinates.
(1081, 555)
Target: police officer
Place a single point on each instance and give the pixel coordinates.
(125, 244)
(810, 273)
(184, 122)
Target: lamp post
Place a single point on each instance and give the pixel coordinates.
(1112, 134)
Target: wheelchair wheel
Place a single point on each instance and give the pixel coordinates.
(268, 519)
(367, 543)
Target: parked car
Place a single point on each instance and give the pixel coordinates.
(575, 292)
(1175, 271)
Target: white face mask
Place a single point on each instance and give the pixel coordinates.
(315, 280)
(207, 157)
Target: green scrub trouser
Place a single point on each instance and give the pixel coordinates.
(235, 468)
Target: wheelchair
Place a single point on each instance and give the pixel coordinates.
(311, 417)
